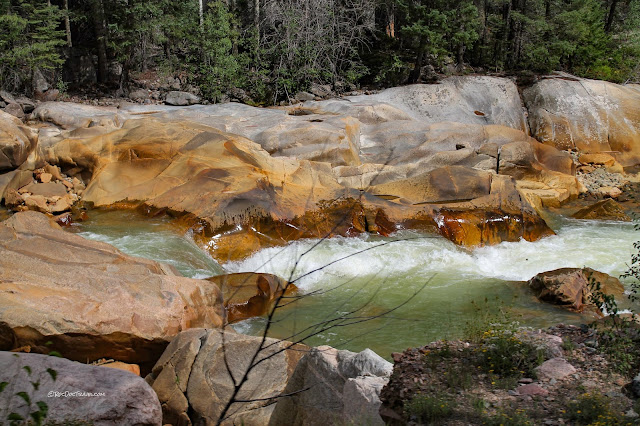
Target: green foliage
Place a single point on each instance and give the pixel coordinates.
(618, 336)
(429, 409)
(29, 39)
(37, 410)
(220, 68)
(513, 417)
(505, 354)
(592, 409)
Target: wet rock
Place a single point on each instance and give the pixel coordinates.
(569, 287)
(90, 300)
(120, 397)
(325, 373)
(554, 368)
(603, 210)
(248, 295)
(193, 383)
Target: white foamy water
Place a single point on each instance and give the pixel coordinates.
(453, 286)
(603, 246)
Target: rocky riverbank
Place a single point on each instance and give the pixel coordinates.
(473, 159)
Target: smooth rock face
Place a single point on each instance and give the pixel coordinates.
(591, 116)
(194, 385)
(16, 142)
(569, 287)
(338, 386)
(125, 399)
(91, 300)
(470, 100)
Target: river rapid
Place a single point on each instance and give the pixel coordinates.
(440, 290)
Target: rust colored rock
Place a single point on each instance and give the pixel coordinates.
(248, 295)
(569, 287)
(603, 210)
(599, 158)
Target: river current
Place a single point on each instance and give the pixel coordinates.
(442, 289)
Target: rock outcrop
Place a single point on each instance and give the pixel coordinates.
(16, 142)
(75, 393)
(193, 382)
(572, 288)
(329, 385)
(588, 115)
(89, 299)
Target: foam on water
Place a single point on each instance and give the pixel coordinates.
(602, 246)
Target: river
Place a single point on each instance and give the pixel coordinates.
(454, 288)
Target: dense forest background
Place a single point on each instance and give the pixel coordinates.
(265, 51)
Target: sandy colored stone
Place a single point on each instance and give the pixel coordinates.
(599, 158)
(45, 177)
(91, 300)
(588, 115)
(16, 142)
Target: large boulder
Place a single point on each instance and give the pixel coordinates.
(572, 287)
(69, 392)
(69, 115)
(194, 378)
(468, 99)
(588, 115)
(248, 294)
(330, 386)
(89, 299)
(181, 98)
(16, 142)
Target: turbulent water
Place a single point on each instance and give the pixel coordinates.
(439, 289)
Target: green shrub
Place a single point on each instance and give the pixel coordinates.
(592, 409)
(429, 409)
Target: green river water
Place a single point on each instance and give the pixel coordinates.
(458, 286)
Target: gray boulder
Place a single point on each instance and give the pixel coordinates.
(331, 386)
(635, 386)
(75, 392)
(181, 98)
(193, 382)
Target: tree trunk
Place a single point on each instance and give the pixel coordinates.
(67, 25)
(417, 68)
(99, 26)
(610, 16)
(201, 14)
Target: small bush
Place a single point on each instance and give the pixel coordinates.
(429, 409)
(505, 354)
(592, 409)
(508, 418)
